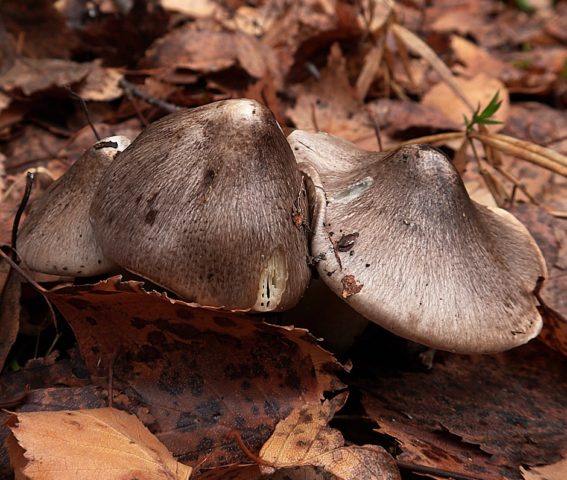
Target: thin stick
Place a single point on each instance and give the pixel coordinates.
(134, 103)
(23, 273)
(517, 185)
(437, 138)
(42, 291)
(233, 434)
(30, 177)
(85, 111)
(376, 125)
(535, 154)
(156, 102)
(314, 118)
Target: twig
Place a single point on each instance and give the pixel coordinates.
(42, 291)
(233, 434)
(130, 88)
(314, 118)
(517, 185)
(23, 273)
(541, 156)
(30, 177)
(85, 111)
(376, 126)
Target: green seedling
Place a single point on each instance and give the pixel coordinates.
(484, 117)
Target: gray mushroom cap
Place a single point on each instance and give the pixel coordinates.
(205, 203)
(57, 236)
(405, 246)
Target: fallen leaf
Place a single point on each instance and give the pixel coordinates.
(101, 84)
(9, 314)
(41, 28)
(477, 60)
(209, 51)
(404, 119)
(31, 75)
(194, 8)
(512, 405)
(305, 439)
(330, 104)
(550, 234)
(90, 444)
(200, 373)
(556, 471)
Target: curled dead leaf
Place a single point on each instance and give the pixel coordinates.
(305, 439)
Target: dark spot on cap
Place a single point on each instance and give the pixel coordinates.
(151, 216)
(346, 242)
(209, 177)
(105, 144)
(91, 320)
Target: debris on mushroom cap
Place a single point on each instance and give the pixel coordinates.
(57, 236)
(209, 203)
(423, 260)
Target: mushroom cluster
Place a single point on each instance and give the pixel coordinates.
(217, 206)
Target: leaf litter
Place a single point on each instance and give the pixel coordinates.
(357, 70)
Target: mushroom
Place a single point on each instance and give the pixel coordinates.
(209, 204)
(57, 237)
(399, 239)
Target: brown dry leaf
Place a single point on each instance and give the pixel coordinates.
(30, 75)
(90, 444)
(9, 313)
(550, 234)
(557, 471)
(101, 84)
(194, 8)
(199, 373)
(330, 104)
(45, 399)
(479, 90)
(186, 47)
(304, 438)
(419, 47)
(404, 119)
(41, 29)
(298, 31)
(477, 60)
(546, 126)
(209, 51)
(461, 17)
(511, 405)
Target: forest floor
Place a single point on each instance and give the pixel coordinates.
(88, 364)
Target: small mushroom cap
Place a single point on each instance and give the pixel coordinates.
(207, 203)
(406, 247)
(57, 236)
